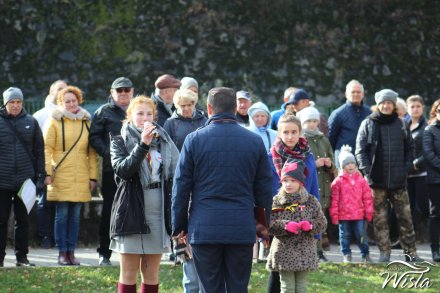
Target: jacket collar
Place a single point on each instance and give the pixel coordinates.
(221, 118)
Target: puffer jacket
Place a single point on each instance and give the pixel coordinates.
(288, 251)
(178, 127)
(15, 164)
(267, 135)
(72, 177)
(321, 148)
(107, 120)
(351, 198)
(417, 135)
(384, 160)
(431, 152)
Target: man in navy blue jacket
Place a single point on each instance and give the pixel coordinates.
(222, 173)
(344, 122)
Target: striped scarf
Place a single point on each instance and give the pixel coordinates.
(281, 153)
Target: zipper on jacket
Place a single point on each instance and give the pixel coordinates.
(389, 156)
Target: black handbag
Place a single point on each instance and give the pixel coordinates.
(127, 215)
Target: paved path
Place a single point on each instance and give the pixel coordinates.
(89, 256)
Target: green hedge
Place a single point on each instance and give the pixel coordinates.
(262, 46)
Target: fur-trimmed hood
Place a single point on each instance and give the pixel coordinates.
(59, 113)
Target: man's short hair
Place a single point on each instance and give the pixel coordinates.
(415, 98)
(353, 82)
(222, 99)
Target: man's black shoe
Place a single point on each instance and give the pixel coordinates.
(23, 262)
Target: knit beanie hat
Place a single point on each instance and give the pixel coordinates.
(385, 95)
(12, 93)
(346, 156)
(308, 113)
(188, 82)
(295, 170)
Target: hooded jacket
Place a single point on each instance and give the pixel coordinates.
(267, 135)
(290, 252)
(72, 177)
(351, 198)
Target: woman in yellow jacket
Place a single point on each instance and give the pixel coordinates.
(67, 150)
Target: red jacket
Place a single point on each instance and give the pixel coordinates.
(351, 198)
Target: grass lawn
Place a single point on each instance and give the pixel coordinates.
(330, 278)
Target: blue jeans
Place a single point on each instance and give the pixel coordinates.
(360, 233)
(190, 280)
(45, 216)
(67, 217)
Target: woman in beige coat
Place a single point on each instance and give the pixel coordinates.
(67, 151)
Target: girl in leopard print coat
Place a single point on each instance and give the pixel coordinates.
(296, 217)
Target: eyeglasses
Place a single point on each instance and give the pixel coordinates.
(123, 89)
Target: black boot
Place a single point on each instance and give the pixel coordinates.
(436, 256)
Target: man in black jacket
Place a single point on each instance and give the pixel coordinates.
(384, 150)
(108, 119)
(22, 149)
(166, 86)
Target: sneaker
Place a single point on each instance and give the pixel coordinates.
(23, 262)
(322, 257)
(46, 243)
(346, 258)
(413, 258)
(384, 256)
(367, 259)
(104, 261)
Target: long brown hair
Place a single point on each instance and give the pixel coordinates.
(433, 114)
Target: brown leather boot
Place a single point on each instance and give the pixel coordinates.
(63, 259)
(72, 258)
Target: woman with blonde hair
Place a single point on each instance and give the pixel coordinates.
(186, 118)
(140, 225)
(71, 169)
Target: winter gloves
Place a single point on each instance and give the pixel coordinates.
(296, 227)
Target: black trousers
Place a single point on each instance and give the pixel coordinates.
(434, 216)
(8, 199)
(108, 191)
(223, 267)
(418, 196)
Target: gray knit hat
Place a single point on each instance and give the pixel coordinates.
(385, 95)
(346, 156)
(12, 93)
(188, 82)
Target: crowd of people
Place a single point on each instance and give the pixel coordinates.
(176, 172)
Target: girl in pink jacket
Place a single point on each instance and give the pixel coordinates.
(351, 204)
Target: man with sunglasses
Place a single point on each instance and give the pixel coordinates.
(108, 119)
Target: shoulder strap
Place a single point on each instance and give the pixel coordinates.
(68, 152)
(20, 139)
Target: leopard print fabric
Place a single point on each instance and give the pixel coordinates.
(290, 252)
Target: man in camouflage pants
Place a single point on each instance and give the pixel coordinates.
(384, 150)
